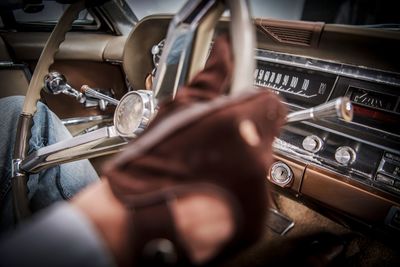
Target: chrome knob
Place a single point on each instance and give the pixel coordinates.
(312, 143)
(345, 155)
(56, 83)
(281, 174)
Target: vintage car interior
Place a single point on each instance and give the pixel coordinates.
(333, 172)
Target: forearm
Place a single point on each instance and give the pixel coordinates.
(110, 218)
(59, 236)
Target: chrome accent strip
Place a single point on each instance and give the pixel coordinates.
(352, 137)
(281, 146)
(114, 61)
(337, 68)
(375, 129)
(174, 62)
(290, 223)
(182, 42)
(15, 168)
(6, 64)
(84, 146)
(79, 120)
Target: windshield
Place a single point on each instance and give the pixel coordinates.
(352, 12)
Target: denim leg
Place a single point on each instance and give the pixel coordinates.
(54, 184)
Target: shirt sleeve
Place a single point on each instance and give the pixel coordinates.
(58, 236)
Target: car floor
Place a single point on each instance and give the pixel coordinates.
(315, 241)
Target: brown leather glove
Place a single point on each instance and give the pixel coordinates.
(199, 143)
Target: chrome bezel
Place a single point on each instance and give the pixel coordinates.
(146, 115)
(289, 178)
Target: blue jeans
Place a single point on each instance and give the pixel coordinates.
(48, 186)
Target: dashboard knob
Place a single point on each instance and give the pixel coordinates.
(281, 174)
(312, 143)
(345, 155)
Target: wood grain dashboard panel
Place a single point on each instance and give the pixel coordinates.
(357, 200)
(338, 192)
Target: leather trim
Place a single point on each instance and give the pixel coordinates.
(19, 183)
(20, 198)
(23, 135)
(336, 191)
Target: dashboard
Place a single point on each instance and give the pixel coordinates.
(347, 170)
(350, 167)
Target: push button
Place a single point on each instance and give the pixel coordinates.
(392, 156)
(312, 143)
(391, 169)
(384, 179)
(345, 155)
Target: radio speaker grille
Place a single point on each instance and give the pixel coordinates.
(289, 32)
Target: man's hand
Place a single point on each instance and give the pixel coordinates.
(203, 221)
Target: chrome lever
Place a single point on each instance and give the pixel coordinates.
(87, 91)
(56, 83)
(340, 108)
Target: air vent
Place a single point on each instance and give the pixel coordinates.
(290, 32)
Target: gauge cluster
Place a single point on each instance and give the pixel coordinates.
(355, 149)
(372, 99)
(302, 87)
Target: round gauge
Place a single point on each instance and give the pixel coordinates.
(156, 51)
(133, 113)
(372, 99)
(281, 174)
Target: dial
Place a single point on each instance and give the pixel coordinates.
(312, 143)
(133, 113)
(345, 155)
(281, 174)
(311, 88)
(372, 99)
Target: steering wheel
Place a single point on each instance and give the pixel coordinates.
(186, 47)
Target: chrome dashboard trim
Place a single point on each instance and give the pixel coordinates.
(80, 147)
(79, 120)
(6, 64)
(15, 168)
(337, 68)
(355, 138)
(283, 147)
